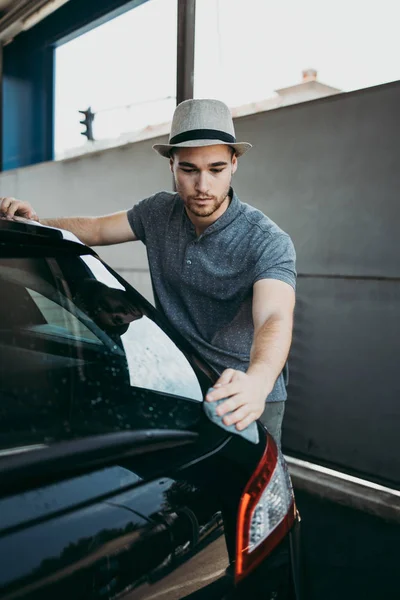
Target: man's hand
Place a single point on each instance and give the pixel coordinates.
(11, 207)
(245, 393)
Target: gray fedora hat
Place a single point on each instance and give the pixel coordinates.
(201, 122)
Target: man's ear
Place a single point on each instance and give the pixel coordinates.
(234, 164)
(171, 164)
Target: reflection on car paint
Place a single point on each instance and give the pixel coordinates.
(41, 502)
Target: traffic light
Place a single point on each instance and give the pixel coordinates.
(88, 122)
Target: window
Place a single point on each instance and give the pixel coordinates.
(125, 70)
(79, 356)
(59, 321)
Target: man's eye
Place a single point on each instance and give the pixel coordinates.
(216, 170)
(188, 170)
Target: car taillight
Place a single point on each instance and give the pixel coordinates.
(267, 511)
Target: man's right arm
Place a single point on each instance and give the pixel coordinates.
(96, 231)
(92, 231)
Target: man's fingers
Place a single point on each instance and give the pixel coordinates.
(7, 207)
(7, 204)
(223, 386)
(230, 405)
(246, 421)
(4, 204)
(238, 415)
(225, 377)
(11, 207)
(225, 391)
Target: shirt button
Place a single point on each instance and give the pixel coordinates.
(188, 262)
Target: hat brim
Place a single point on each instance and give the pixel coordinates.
(165, 149)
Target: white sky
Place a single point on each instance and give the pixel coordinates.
(245, 49)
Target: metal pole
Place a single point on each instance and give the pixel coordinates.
(185, 50)
(1, 106)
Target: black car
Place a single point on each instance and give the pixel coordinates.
(113, 481)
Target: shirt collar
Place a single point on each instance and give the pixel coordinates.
(225, 219)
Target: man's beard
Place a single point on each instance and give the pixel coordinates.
(208, 208)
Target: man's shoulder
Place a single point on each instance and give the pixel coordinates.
(156, 205)
(162, 199)
(259, 224)
(164, 196)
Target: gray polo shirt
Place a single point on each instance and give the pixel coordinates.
(204, 285)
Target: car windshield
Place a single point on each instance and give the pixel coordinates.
(82, 353)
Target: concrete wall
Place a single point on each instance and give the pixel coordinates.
(95, 184)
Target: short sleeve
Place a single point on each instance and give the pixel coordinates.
(277, 260)
(139, 216)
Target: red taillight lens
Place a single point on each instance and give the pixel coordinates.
(266, 511)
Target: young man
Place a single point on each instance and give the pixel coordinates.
(222, 272)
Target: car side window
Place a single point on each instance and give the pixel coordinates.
(60, 321)
(154, 361)
(80, 355)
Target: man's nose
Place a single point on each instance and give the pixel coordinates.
(202, 184)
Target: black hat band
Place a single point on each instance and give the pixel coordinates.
(203, 134)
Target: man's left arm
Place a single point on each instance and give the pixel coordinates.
(273, 306)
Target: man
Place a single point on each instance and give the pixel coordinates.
(222, 272)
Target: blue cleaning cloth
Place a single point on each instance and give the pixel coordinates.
(250, 433)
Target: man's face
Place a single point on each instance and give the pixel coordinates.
(203, 178)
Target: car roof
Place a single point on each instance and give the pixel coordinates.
(26, 227)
